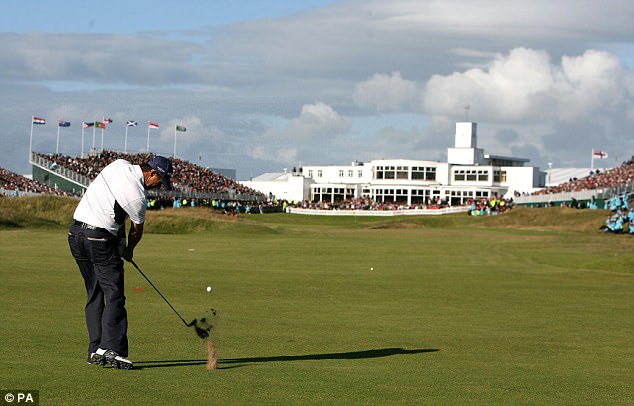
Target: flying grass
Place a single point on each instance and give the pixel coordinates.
(458, 310)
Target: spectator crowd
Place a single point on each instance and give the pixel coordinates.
(228, 207)
(621, 218)
(621, 175)
(479, 207)
(364, 203)
(489, 207)
(15, 184)
(187, 176)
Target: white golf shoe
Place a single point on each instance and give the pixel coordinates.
(110, 357)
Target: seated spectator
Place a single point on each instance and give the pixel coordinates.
(187, 176)
(614, 223)
(18, 183)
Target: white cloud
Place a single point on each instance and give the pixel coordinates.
(266, 153)
(385, 92)
(273, 147)
(537, 18)
(592, 81)
(524, 84)
(467, 52)
(317, 124)
(99, 59)
(318, 120)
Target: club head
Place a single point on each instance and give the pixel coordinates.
(199, 328)
(203, 325)
(201, 332)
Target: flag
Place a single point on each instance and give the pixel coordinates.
(87, 125)
(153, 125)
(63, 123)
(181, 128)
(99, 124)
(131, 123)
(37, 120)
(107, 120)
(596, 154)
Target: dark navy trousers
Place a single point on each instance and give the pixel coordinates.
(97, 255)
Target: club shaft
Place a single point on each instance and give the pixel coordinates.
(159, 292)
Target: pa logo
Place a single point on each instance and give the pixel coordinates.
(20, 397)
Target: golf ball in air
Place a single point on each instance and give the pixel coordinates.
(372, 269)
(209, 289)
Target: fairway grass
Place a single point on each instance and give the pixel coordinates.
(453, 313)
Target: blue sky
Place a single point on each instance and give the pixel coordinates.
(137, 16)
(264, 85)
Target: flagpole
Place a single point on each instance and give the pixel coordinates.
(94, 123)
(57, 146)
(82, 139)
(102, 140)
(125, 143)
(31, 139)
(174, 156)
(592, 160)
(147, 147)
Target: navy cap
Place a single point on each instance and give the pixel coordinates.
(163, 166)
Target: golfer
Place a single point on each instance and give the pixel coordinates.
(96, 239)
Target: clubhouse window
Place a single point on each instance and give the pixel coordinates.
(471, 175)
(499, 176)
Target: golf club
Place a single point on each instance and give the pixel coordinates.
(202, 329)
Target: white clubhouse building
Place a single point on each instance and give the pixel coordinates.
(468, 173)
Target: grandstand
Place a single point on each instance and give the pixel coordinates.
(598, 186)
(12, 184)
(557, 176)
(74, 174)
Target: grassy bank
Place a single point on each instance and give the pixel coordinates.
(52, 212)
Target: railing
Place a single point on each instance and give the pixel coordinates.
(189, 194)
(589, 194)
(561, 196)
(16, 193)
(620, 189)
(399, 212)
(64, 173)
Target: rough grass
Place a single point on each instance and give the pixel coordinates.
(57, 212)
(559, 218)
(50, 211)
(36, 212)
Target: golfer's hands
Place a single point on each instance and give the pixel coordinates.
(128, 253)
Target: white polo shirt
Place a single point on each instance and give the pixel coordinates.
(116, 193)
